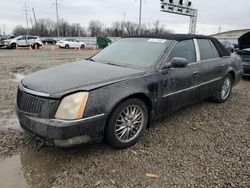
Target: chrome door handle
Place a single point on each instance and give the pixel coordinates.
(195, 74)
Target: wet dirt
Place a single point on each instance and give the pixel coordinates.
(205, 145)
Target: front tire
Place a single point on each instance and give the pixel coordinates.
(13, 46)
(82, 46)
(66, 46)
(224, 91)
(126, 124)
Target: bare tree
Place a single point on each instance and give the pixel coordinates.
(47, 28)
(95, 28)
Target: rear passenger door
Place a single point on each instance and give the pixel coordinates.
(31, 40)
(213, 66)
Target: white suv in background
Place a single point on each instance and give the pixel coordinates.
(24, 41)
(71, 43)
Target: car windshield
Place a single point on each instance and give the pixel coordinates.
(133, 52)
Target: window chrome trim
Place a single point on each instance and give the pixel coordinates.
(193, 87)
(32, 92)
(197, 50)
(78, 120)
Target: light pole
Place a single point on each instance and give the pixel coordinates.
(140, 12)
(57, 19)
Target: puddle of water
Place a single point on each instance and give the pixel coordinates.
(29, 169)
(11, 173)
(17, 76)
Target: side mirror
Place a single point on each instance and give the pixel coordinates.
(178, 62)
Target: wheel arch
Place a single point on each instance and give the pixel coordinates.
(232, 73)
(142, 96)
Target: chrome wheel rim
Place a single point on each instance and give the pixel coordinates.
(129, 123)
(226, 87)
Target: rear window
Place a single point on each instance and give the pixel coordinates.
(206, 49)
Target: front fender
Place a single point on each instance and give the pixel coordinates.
(104, 100)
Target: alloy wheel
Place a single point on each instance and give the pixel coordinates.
(129, 123)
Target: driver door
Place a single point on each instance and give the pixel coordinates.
(179, 86)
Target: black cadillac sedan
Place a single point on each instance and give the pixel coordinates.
(117, 93)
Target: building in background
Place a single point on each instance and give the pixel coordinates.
(231, 36)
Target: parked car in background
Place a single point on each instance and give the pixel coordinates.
(24, 41)
(117, 93)
(1, 42)
(244, 52)
(71, 43)
(228, 45)
(49, 41)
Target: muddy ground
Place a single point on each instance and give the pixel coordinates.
(206, 145)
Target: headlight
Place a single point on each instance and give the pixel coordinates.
(72, 106)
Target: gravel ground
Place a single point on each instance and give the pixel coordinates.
(205, 145)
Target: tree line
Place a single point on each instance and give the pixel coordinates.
(48, 28)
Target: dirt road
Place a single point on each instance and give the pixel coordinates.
(206, 145)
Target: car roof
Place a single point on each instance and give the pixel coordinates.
(177, 37)
(180, 37)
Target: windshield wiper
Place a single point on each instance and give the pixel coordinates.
(115, 64)
(90, 59)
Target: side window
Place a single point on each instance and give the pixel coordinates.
(206, 49)
(21, 38)
(184, 49)
(216, 53)
(31, 37)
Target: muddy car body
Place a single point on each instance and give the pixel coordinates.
(119, 91)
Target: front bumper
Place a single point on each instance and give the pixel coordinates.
(64, 134)
(246, 69)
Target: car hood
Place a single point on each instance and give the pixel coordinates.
(82, 75)
(244, 41)
(7, 40)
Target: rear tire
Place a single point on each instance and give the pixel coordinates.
(82, 47)
(224, 91)
(66, 46)
(36, 46)
(126, 124)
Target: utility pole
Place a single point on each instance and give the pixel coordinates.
(34, 15)
(140, 12)
(124, 17)
(57, 18)
(26, 16)
(4, 30)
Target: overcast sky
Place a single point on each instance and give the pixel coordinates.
(212, 13)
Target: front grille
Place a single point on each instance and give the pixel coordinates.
(246, 69)
(29, 103)
(245, 58)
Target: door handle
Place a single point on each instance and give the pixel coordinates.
(195, 74)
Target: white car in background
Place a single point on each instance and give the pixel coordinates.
(71, 43)
(24, 41)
